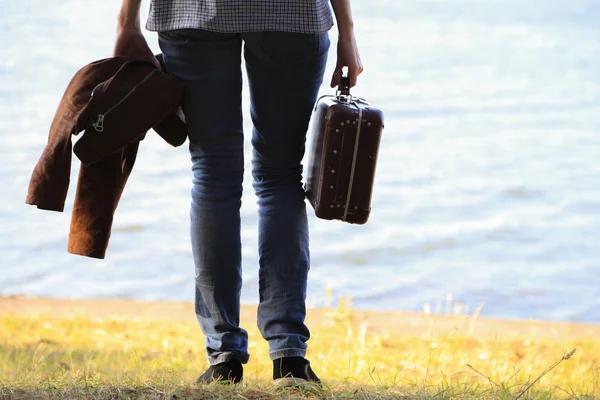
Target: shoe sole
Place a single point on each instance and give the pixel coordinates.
(291, 382)
(219, 382)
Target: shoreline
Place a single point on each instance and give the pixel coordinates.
(406, 323)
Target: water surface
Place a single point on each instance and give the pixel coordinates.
(487, 185)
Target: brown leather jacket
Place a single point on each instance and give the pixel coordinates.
(115, 101)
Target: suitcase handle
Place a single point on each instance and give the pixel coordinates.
(342, 94)
(344, 87)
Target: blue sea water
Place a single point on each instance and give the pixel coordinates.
(488, 182)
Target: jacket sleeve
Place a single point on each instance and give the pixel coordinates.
(173, 129)
(50, 178)
(49, 181)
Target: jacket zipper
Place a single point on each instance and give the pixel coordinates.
(98, 125)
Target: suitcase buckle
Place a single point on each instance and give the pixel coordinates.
(349, 99)
(343, 98)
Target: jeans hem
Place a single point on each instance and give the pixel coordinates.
(221, 358)
(287, 353)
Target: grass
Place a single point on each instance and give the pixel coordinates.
(118, 358)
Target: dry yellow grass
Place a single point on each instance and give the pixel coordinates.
(117, 355)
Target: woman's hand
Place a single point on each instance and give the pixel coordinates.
(131, 43)
(347, 56)
(130, 40)
(347, 49)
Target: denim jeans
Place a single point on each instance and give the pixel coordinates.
(285, 71)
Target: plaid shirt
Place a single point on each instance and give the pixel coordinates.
(236, 16)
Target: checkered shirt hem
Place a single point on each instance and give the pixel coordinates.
(237, 16)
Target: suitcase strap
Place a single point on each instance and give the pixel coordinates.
(353, 168)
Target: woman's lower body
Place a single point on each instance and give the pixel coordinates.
(285, 71)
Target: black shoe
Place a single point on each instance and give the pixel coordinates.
(294, 372)
(226, 372)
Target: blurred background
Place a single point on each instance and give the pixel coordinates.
(488, 182)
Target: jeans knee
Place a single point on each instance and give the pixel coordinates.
(269, 175)
(217, 173)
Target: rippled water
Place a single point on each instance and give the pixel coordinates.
(488, 183)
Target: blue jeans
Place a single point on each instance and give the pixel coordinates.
(285, 71)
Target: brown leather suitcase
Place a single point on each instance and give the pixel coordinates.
(343, 157)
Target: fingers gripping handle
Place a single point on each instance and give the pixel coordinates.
(344, 85)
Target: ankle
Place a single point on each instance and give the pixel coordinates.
(230, 371)
(293, 370)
